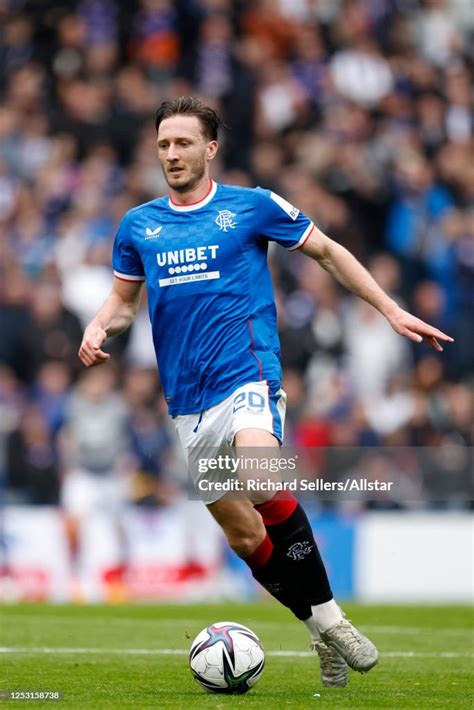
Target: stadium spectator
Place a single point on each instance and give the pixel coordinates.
(53, 332)
(96, 466)
(31, 462)
(50, 391)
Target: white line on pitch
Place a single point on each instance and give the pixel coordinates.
(181, 652)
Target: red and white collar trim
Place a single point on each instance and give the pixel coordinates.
(195, 205)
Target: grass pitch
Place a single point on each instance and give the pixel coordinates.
(135, 657)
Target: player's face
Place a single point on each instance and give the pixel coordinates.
(184, 152)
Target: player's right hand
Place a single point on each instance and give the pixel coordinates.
(90, 352)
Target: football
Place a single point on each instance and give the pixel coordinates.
(226, 658)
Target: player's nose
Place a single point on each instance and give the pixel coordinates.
(172, 153)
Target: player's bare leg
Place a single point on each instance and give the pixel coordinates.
(241, 524)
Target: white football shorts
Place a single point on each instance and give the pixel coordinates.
(252, 406)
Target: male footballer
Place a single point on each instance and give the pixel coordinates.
(202, 251)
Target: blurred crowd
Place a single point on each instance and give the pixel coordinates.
(357, 111)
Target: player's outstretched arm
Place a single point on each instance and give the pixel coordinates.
(350, 273)
(115, 316)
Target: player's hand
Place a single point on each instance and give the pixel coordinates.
(417, 330)
(90, 352)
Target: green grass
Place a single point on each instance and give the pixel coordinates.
(112, 677)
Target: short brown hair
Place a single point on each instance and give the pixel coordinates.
(191, 106)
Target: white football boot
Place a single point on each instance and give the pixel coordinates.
(358, 652)
(334, 669)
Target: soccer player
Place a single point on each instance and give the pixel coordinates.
(202, 252)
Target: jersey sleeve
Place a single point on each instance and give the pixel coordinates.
(281, 222)
(126, 261)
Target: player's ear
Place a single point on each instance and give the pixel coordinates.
(212, 148)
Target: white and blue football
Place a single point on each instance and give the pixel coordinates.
(226, 658)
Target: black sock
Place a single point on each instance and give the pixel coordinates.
(274, 577)
(270, 568)
(296, 554)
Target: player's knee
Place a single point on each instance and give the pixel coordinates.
(241, 524)
(244, 543)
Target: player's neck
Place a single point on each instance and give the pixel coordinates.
(197, 194)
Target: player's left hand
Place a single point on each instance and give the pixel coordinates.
(417, 330)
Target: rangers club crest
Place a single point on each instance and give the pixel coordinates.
(299, 550)
(225, 220)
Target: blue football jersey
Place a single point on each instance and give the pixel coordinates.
(210, 294)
